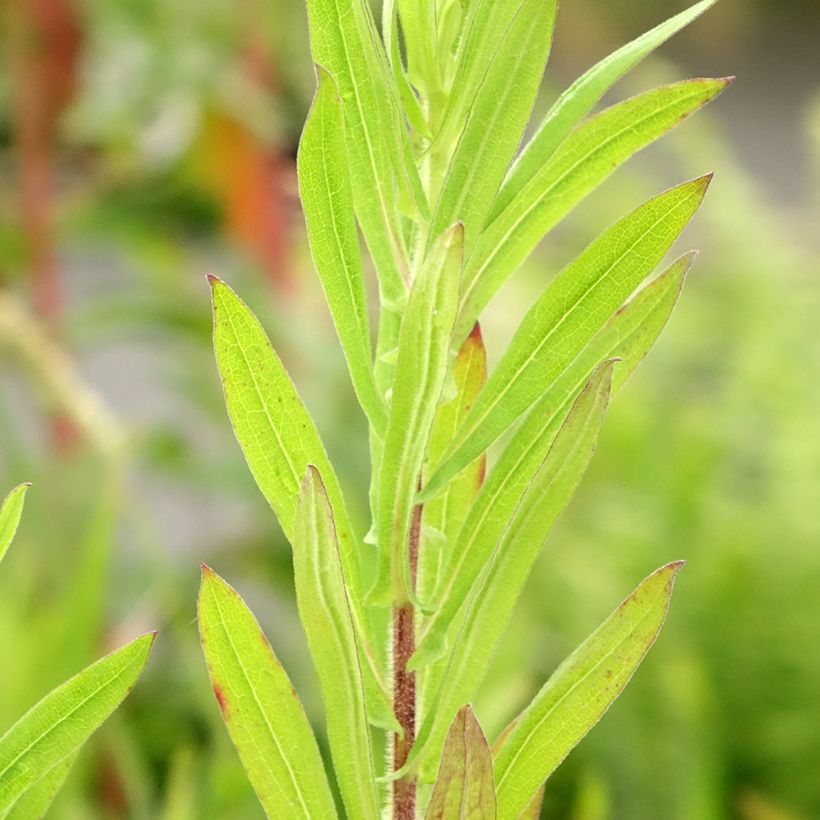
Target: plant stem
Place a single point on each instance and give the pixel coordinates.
(404, 684)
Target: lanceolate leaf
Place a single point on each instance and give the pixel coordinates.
(579, 693)
(580, 98)
(574, 307)
(10, 513)
(464, 788)
(592, 152)
(344, 41)
(444, 515)
(496, 122)
(324, 609)
(491, 599)
(626, 338)
(63, 720)
(327, 202)
(34, 802)
(279, 441)
(263, 715)
(422, 361)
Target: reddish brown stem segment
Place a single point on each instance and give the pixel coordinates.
(404, 685)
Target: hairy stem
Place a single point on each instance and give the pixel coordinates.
(404, 685)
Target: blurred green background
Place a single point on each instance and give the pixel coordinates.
(144, 143)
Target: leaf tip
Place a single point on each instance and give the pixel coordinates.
(213, 280)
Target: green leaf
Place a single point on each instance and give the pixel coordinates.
(10, 513)
(327, 202)
(65, 718)
(445, 514)
(35, 800)
(324, 609)
(422, 361)
(579, 693)
(279, 441)
(345, 43)
(567, 315)
(496, 121)
(587, 157)
(491, 599)
(263, 714)
(580, 98)
(627, 338)
(464, 788)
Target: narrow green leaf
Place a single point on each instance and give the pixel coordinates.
(327, 202)
(464, 788)
(344, 41)
(10, 513)
(263, 714)
(627, 338)
(324, 609)
(418, 26)
(487, 609)
(444, 515)
(567, 315)
(36, 799)
(65, 718)
(579, 693)
(580, 98)
(422, 361)
(496, 121)
(587, 157)
(279, 441)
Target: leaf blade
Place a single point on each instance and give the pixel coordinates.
(262, 713)
(11, 512)
(327, 202)
(567, 315)
(491, 599)
(324, 610)
(464, 788)
(585, 159)
(580, 692)
(65, 718)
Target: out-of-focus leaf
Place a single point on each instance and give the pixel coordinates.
(496, 121)
(344, 41)
(580, 98)
(325, 613)
(279, 440)
(35, 800)
(568, 314)
(10, 514)
(464, 787)
(576, 697)
(487, 608)
(444, 515)
(65, 718)
(587, 157)
(422, 360)
(327, 202)
(263, 714)
(419, 29)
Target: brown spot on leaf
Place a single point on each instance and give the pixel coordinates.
(221, 699)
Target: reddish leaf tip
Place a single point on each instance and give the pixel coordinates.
(205, 569)
(213, 280)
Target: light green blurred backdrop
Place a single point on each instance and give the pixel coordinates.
(144, 143)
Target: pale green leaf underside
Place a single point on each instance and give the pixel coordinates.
(579, 693)
(263, 714)
(10, 513)
(568, 314)
(464, 788)
(585, 159)
(491, 599)
(422, 360)
(65, 718)
(324, 610)
(327, 203)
